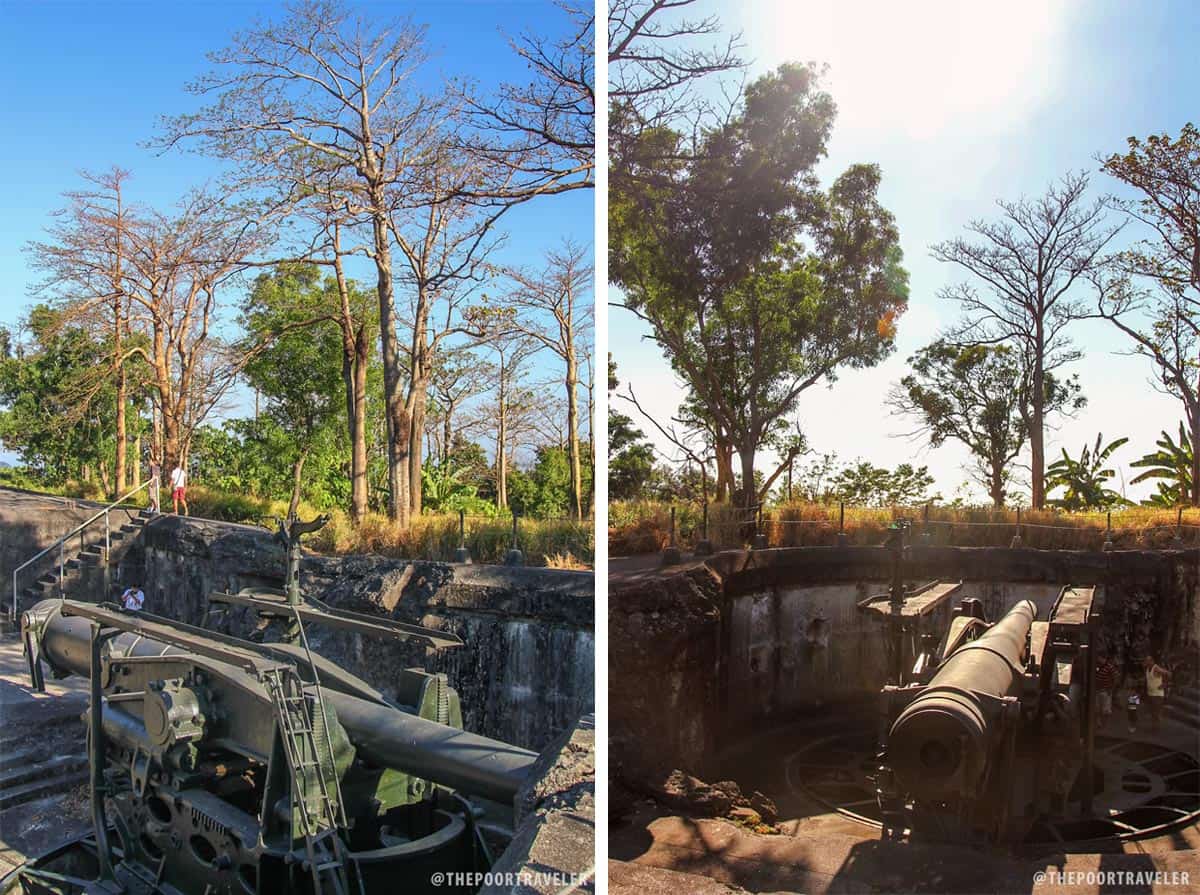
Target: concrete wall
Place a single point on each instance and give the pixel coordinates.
(526, 671)
(794, 647)
(525, 674)
(31, 522)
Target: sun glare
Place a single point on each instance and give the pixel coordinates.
(916, 66)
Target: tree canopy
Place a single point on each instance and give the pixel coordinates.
(757, 283)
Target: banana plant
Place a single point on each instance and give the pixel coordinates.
(1083, 479)
(1171, 466)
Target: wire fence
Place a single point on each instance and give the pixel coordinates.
(650, 528)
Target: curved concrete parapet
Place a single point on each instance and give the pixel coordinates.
(554, 849)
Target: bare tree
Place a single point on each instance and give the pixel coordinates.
(1029, 263)
(458, 376)
(326, 82)
(352, 314)
(176, 269)
(554, 308)
(1163, 327)
(445, 240)
(1151, 291)
(655, 58)
(542, 130)
(85, 267)
(510, 410)
(590, 384)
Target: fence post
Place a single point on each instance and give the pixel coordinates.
(462, 554)
(704, 546)
(841, 536)
(760, 537)
(514, 557)
(1178, 542)
(926, 535)
(671, 556)
(1108, 541)
(1016, 541)
(107, 575)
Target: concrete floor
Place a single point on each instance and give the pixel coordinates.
(821, 851)
(41, 726)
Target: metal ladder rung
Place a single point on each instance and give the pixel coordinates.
(320, 810)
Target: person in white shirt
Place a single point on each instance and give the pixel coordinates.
(133, 599)
(179, 488)
(1156, 678)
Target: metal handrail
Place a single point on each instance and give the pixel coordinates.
(77, 530)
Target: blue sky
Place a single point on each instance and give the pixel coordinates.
(961, 104)
(83, 84)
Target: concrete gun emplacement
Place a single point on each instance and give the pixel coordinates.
(992, 728)
(219, 765)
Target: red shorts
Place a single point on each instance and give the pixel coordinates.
(178, 494)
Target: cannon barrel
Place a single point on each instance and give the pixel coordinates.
(386, 736)
(938, 745)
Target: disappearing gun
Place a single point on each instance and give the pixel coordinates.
(992, 727)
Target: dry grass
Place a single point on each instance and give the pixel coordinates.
(554, 543)
(644, 527)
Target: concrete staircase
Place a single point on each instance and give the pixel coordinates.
(1183, 706)
(28, 774)
(78, 570)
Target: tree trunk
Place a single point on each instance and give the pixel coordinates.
(1037, 462)
(591, 411)
(119, 372)
(1194, 420)
(172, 456)
(573, 435)
(997, 489)
(297, 478)
(355, 357)
(358, 430)
(724, 486)
(156, 434)
(136, 466)
(501, 440)
(416, 457)
(749, 493)
(447, 434)
(399, 426)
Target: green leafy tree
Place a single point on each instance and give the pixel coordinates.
(296, 364)
(448, 489)
(472, 459)
(1084, 478)
(755, 282)
(545, 489)
(55, 415)
(866, 484)
(630, 455)
(979, 396)
(1170, 467)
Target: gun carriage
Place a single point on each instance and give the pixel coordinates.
(985, 725)
(220, 765)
